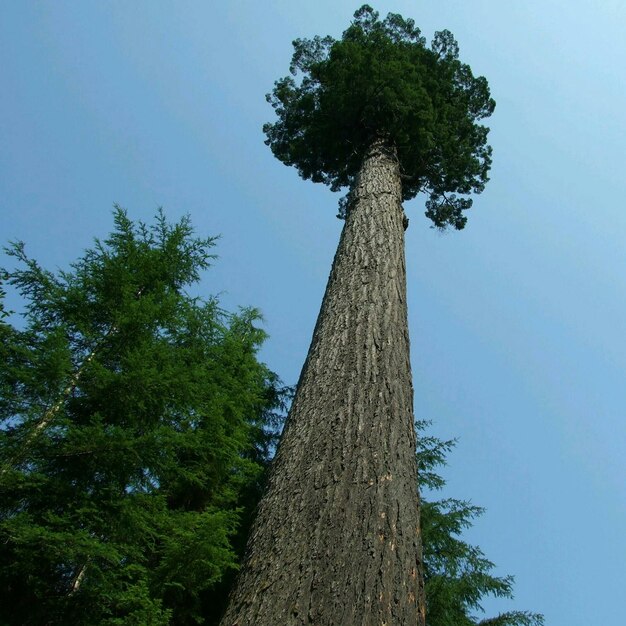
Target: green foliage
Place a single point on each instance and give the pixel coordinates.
(457, 575)
(135, 424)
(381, 82)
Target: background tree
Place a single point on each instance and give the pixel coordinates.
(336, 540)
(134, 428)
(457, 575)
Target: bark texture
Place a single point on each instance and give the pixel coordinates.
(337, 540)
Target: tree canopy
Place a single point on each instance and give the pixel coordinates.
(135, 423)
(381, 81)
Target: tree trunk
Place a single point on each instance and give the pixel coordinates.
(49, 415)
(337, 540)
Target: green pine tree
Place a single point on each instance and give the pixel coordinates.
(457, 574)
(135, 425)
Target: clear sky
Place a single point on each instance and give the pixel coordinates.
(517, 322)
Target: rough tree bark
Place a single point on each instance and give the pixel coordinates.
(337, 540)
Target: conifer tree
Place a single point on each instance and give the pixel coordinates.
(457, 574)
(379, 113)
(134, 429)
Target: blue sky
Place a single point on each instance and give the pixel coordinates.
(516, 323)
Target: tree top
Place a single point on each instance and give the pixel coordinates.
(381, 81)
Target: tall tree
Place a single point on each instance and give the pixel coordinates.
(337, 536)
(133, 434)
